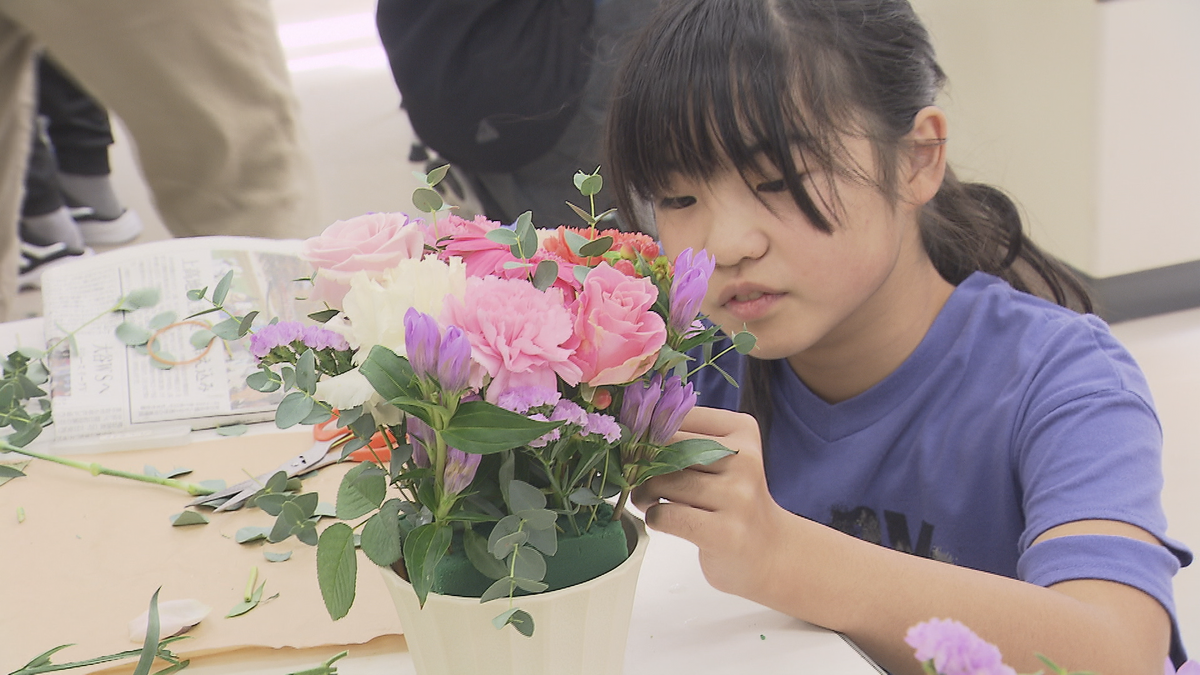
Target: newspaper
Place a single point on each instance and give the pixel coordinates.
(100, 387)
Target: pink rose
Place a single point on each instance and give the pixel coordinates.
(619, 332)
(373, 243)
(520, 335)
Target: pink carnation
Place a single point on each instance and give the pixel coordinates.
(372, 243)
(565, 281)
(468, 240)
(619, 332)
(954, 649)
(520, 335)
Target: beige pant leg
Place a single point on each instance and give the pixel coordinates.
(16, 119)
(204, 90)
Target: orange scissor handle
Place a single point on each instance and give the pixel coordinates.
(377, 447)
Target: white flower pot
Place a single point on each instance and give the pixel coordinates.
(579, 630)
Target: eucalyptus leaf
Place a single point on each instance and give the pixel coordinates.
(529, 564)
(587, 218)
(188, 518)
(545, 274)
(580, 272)
(337, 569)
(277, 556)
(162, 320)
(132, 334)
(201, 338)
(436, 175)
(522, 621)
(744, 342)
(293, 409)
(250, 534)
(503, 235)
(197, 293)
(524, 497)
(165, 360)
(227, 329)
(8, 471)
(591, 185)
(526, 235)
(306, 372)
(263, 380)
(529, 585)
(246, 323)
(271, 504)
(214, 484)
(427, 200)
(545, 540)
(324, 315)
(538, 519)
(476, 548)
(514, 264)
(585, 497)
(505, 545)
(596, 247)
(232, 430)
(141, 297)
(222, 289)
(502, 588)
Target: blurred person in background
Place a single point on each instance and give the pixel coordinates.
(204, 91)
(512, 93)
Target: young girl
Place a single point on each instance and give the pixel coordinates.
(908, 387)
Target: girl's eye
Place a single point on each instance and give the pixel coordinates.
(676, 202)
(772, 186)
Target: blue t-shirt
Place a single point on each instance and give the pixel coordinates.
(1012, 416)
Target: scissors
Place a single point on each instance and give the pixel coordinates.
(326, 449)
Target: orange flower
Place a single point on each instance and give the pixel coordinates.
(628, 244)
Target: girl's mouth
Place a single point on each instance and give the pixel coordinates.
(751, 305)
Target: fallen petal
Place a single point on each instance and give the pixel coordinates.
(174, 617)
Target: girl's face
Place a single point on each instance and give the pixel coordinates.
(819, 300)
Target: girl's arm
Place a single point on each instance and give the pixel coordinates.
(752, 547)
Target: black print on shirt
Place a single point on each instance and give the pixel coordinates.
(863, 522)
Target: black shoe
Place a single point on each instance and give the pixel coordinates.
(36, 259)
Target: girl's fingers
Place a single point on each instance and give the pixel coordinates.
(715, 422)
(689, 487)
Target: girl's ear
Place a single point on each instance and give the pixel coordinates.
(927, 158)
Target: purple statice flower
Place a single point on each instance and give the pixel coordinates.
(954, 649)
(521, 399)
(637, 408)
(677, 400)
(421, 340)
(1188, 668)
(281, 334)
(460, 470)
(603, 425)
(318, 338)
(692, 272)
(454, 360)
(542, 441)
(569, 412)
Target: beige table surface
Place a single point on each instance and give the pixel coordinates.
(92, 550)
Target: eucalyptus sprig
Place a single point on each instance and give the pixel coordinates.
(94, 468)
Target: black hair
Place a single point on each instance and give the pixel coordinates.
(713, 85)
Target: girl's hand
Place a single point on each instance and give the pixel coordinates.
(724, 508)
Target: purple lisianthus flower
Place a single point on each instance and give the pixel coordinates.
(954, 649)
(454, 360)
(692, 272)
(637, 408)
(677, 400)
(603, 425)
(460, 470)
(421, 340)
(422, 436)
(521, 399)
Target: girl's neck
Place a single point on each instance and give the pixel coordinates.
(875, 340)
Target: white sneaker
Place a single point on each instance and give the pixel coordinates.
(37, 259)
(100, 232)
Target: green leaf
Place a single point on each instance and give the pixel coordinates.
(423, 550)
(389, 374)
(277, 556)
(188, 518)
(306, 372)
(324, 315)
(526, 236)
(293, 409)
(575, 241)
(362, 489)
(476, 549)
(591, 185)
(142, 297)
(587, 218)
(518, 618)
(250, 534)
(683, 454)
(436, 175)
(222, 289)
(482, 428)
(337, 569)
(529, 564)
(162, 320)
(503, 235)
(165, 361)
(10, 472)
(201, 338)
(505, 545)
(232, 430)
(427, 200)
(524, 497)
(502, 588)
(132, 334)
(381, 535)
(318, 415)
(197, 293)
(580, 272)
(271, 503)
(263, 380)
(150, 646)
(227, 329)
(538, 519)
(545, 274)
(246, 323)
(585, 497)
(596, 247)
(247, 605)
(289, 519)
(579, 177)
(744, 342)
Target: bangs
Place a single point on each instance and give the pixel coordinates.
(713, 86)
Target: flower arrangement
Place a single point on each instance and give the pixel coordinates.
(947, 647)
(512, 387)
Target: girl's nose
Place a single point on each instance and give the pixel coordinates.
(736, 233)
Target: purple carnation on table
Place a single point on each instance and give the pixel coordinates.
(954, 649)
(284, 333)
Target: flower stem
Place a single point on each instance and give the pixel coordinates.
(96, 470)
